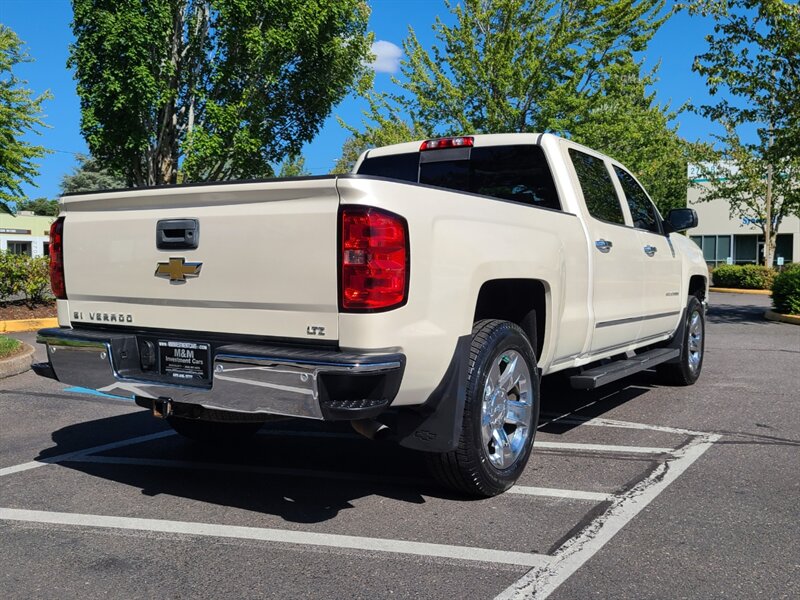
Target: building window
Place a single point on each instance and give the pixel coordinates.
(19, 248)
(46, 248)
(716, 248)
(746, 249)
(784, 247)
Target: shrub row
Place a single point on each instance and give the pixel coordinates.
(786, 290)
(24, 276)
(744, 277)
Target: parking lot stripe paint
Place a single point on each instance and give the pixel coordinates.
(306, 473)
(601, 448)
(540, 582)
(237, 468)
(570, 419)
(305, 538)
(548, 445)
(91, 392)
(556, 493)
(34, 464)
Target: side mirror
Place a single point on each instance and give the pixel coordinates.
(681, 219)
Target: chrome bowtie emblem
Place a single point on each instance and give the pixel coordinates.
(177, 270)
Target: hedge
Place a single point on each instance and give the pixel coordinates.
(745, 277)
(21, 275)
(786, 290)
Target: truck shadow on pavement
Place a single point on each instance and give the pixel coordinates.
(736, 314)
(299, 471)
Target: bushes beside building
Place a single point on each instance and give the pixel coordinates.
(786, 290)
(25, 277)
(744, 277)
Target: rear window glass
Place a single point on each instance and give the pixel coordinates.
(396, 166)
(518, 173)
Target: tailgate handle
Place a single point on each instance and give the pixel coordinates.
(177, 234)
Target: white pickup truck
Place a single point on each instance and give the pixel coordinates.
(421, 297)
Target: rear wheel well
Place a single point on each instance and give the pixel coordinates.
(697, 287)
(521, 301)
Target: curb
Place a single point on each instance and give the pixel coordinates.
(27, 324)
(771, 315)
(740, 291)
(19, 363)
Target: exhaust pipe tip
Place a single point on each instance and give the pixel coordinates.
(371, 429)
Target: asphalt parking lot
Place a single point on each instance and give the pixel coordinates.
(633, 491)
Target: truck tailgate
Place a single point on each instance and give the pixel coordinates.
(267, 253)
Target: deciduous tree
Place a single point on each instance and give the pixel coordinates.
(219, 89)
(564, 66)
(20, 114)
(752, 70)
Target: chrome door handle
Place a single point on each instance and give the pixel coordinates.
(603, 245)
(650, 250)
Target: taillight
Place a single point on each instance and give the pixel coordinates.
(374, 259)
(57, 259)
(451, 142)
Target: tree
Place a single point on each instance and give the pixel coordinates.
(563, 66)
(751, 68)
(20, 114)
(219, 88)
(293, 166)
(385, 129)
(90, 176)
(40, 206)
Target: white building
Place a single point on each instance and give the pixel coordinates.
(735, 240)
(25, 233)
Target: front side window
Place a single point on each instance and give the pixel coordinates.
(642, 210)
(598, 188)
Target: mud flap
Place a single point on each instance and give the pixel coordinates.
(435, 426)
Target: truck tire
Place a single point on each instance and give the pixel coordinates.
(214, 431)
(501, 413)
(687, 370)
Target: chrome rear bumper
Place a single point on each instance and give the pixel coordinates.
(245, 378)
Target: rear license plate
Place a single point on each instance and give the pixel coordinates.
(186, 361)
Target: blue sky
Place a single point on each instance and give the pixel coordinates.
(44, 25)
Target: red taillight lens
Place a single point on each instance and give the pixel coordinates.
(452, 142)
(57, 259)
(374, 259)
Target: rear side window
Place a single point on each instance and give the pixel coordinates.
(642, 210)
(395, 166)
(517, 173)
(598, 188)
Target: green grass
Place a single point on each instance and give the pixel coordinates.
(8, 346)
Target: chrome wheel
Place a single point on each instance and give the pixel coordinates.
(506, 409)
(695, 341)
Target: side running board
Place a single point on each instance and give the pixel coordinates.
(597, 376)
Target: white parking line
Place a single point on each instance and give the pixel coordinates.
(601, 448)
(556, 493)
(34, 464)
(540, 582)
(550, 445)
(309, 473)
(570, 419)
(305, 538)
